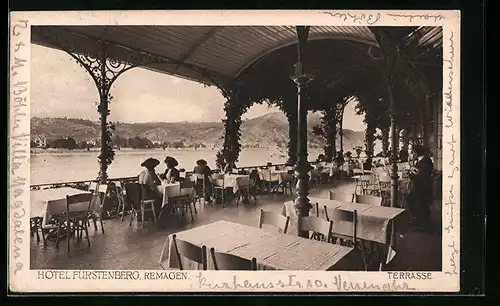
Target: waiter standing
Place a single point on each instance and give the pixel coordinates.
(420, 197)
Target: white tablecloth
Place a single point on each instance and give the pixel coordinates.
(48, 202)
(173, 190)
(235, 181)
(272, 250)
(374, 222)
(280, 176)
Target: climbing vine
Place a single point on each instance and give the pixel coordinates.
(107, 154)
(328, 131)
(234, 107)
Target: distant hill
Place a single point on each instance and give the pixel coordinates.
(266, 131)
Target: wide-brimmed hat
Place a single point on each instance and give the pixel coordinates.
(170, 161)
(201, 162)
(150, 163)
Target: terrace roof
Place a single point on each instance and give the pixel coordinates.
(214, 54)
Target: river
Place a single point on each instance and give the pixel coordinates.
(51, 167)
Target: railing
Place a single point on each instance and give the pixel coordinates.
(83, 184)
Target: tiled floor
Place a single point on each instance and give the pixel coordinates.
(133, 247)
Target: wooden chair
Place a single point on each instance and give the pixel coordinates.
(340, 196)
(340, 217)
(365, 184)
(320, 228)
(247, 189)
(133, 198)
(367, 199)
(200, 187)
(219, 189)
(183, 203)
(99, 196)
(35, 227)
(146, 204)
(224, 261)
(189, 251)
(274, 219)
(121, 200)
(384, 188)
(76, 217)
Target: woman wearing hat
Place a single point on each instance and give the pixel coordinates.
(149, 180)
(171, 174)
(202, 168)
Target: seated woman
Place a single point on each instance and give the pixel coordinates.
(171, 174)
(149, 182)
(202, 168)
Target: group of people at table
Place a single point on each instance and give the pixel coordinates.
(419, 199)
(172, 175)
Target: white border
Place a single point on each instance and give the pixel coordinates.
(22, 279)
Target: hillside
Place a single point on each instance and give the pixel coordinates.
(266, 131)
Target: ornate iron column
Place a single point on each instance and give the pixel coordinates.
(290, 110)
(302, 204)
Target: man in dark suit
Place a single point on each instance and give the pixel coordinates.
(420, 198)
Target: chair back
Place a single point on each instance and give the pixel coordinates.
(344, 222)
(190, 251)
(340, 196)
(133, 195)
(357, 171)
(275, 219)
(224, 261)
(254, 177)
(316, 225)
(187, 184)
(78, 204)
(368, 199)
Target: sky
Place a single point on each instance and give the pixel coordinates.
(61, 88)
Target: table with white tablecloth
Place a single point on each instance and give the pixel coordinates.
(172, 190)
(234, 181)
(374, 223)
(273, 251)
(48, 202)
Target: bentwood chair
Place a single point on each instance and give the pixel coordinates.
(200, 187)
(274, 219)
(146, 204)
(190, 251)
(36, 226)
(320, 228)
(225, 261)
(384, 188)
(99, 193)
(219, 188)
(121, 200)
(184, 203)
(77, 213)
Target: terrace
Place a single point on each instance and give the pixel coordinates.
(394, 73)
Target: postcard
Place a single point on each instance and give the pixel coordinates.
(234, 151)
